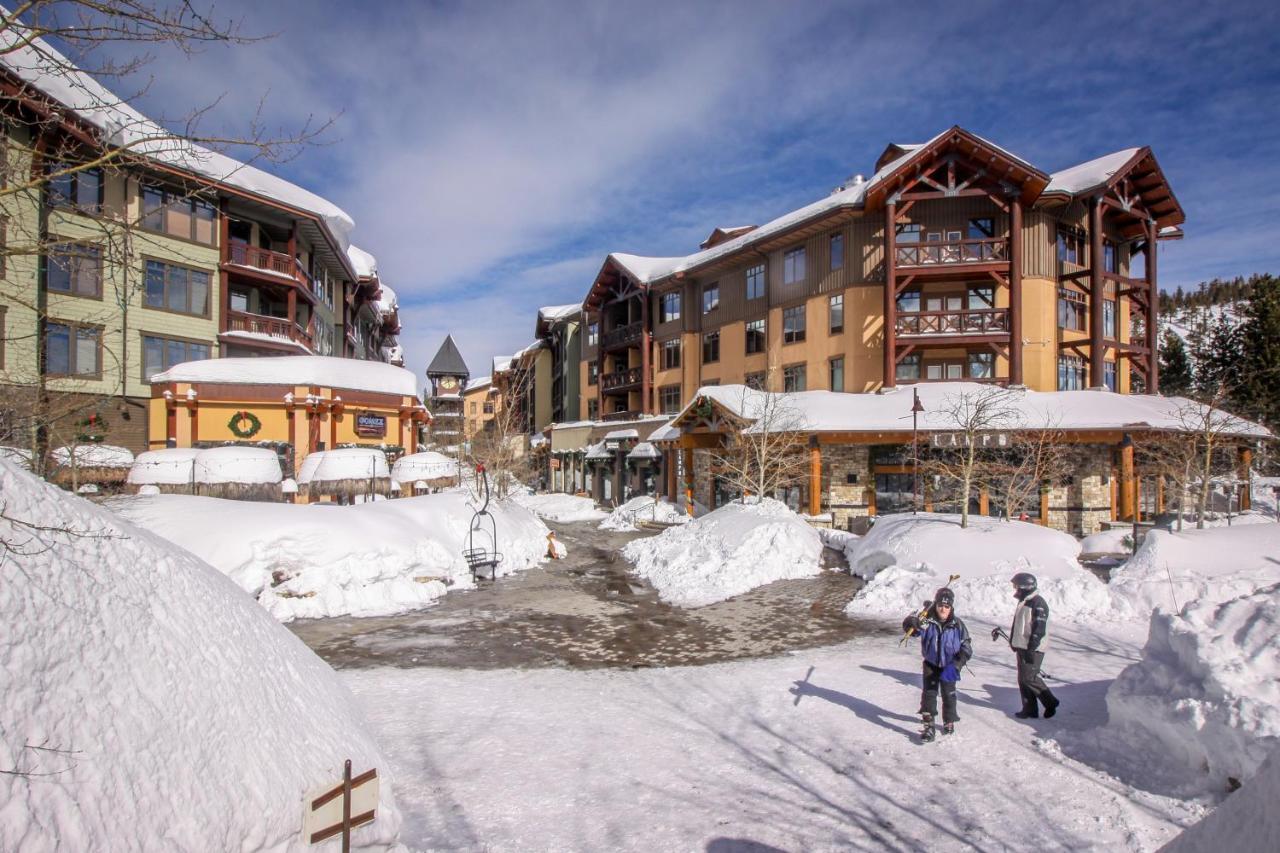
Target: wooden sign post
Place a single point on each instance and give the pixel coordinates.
(339, 809)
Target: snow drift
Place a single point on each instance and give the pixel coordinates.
(727, 552)
(153, 705)
(554, 506)
(311, 561)
(907, 557)
(1247, 821)
(1205, 693)
(624, 518)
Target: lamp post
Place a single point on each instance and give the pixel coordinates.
(916, 408)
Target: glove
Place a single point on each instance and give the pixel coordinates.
(995, 634)
(911, 624)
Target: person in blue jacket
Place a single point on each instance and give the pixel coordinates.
(946, 648)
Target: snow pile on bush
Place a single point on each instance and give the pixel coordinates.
(152, 704)
(311, 561)
(93, 456)
(643, 508)
(1172, 569)
(727, 552)
(170, 466)
(555, 506)
(907, 557)
(1248, 820)
(1206, 692)
(347, 463)
(175, 466)
(427, 465)
(1117, 540)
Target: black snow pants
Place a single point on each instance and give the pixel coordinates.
(1031, 685)
(929, 695)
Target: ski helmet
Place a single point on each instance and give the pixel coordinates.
(1025, 582)
(944, 596)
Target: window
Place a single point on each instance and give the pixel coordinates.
(593, 372)
(593, 334)
(908, 232)
(755, 336)
(669, 308)
(756, 380)
(983, 228)
(837, 251)
(174, 288)
(909, 301)
(74, 268)
(1110, 259)
(944, 370)
(836, 305)
(670, 354)
(1070, 247)
(72, 350)
(909, 368)
(982, 365)
(793, 266)
(669, 399)
(1072, 310)
(710, 347)
(81, 190)
(488, 407)
(178, 215)
(1070, 373)
(755, 282)
(593, 410)
(1109, 375)
(475, 407)
(836, 369)
(982, 296)
(160, 354)
(793, 378)
(1109, 319)
(710, 298)
(793, 324)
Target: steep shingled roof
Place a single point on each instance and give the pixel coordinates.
(448, 360)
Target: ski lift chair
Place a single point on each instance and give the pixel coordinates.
(479, 558)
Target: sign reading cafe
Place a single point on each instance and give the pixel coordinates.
(370, 424)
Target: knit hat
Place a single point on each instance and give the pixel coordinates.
(944, 596)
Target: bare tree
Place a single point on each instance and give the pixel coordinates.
(1171, 457)
(1035, 459)
(764, 444)
(502, 445)
(1211, 428)
(970, 422)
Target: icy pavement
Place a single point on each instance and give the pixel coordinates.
(809, 751)
(587, 611)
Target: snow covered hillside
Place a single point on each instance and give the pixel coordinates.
(907, 557)
(310, 561)
(148, 704)
(736, 548)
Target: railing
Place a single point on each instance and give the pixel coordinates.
(622, 335)
(621, 378)
(244, 255)
(986, 250)
(622, 416)
(275, 327)
(978, 321)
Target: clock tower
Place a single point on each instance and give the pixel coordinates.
(447, 375)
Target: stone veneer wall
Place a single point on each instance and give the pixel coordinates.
(844, 500)
(1081, 506)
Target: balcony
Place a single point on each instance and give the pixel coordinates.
(622, 336)
(621, 379)
(989, 250)
(977, 321)
(279, 328)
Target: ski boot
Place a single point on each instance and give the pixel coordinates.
(949, 729)
(927, 731)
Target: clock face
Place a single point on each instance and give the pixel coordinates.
(448, 383)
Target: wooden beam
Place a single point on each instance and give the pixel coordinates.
(1153, 313)
(890, 298)
(815, 477)
(1096, 294)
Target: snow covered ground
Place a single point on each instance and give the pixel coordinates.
(148, 703)
(555, 506)
(727, 552)
(311, 561)
(624, 518)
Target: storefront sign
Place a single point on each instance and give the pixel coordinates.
(371, 425)
(555, 464)
(986, 440)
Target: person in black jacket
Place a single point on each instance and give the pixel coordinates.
(946, 648)
(1028, 637)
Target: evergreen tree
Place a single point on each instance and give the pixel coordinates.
(1215, 346)
(1258, 394)
(1176, 378)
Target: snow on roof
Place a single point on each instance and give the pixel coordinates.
(502, 363)
(170, 466)
(290, 370)
(263, 336)
(598, 451)
(553, 313)
(238, 465)
(289, 486)
(827, 411)
(47, 70)
(644, 450)
(347, 463)
(621, 435)
(387, 302)
(427, 465)
(666, 432)
(1091, 174)
(481, 382)
(365, 264)
(94, 456)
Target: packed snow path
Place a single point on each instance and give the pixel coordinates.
(587, 612)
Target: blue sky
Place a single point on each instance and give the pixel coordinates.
(492, 154)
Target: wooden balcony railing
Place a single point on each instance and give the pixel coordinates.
(278, 263)
(984, 251)
(622, 336)
(978, 321)
(621, 379)
(275, 327)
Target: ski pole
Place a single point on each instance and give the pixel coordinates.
(999, 632)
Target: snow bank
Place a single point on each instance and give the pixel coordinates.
(1117, 540)
(558, 507)
(311, 561)
(347, 463)
(93, 456)
(643, 508)
(427, 465)
(1205, 692)
(1248, 820)
(1171, 569)
(154, 705)
(727, 552)
(907, 557)
(19, 456)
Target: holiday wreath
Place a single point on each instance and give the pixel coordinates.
(244, 424)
